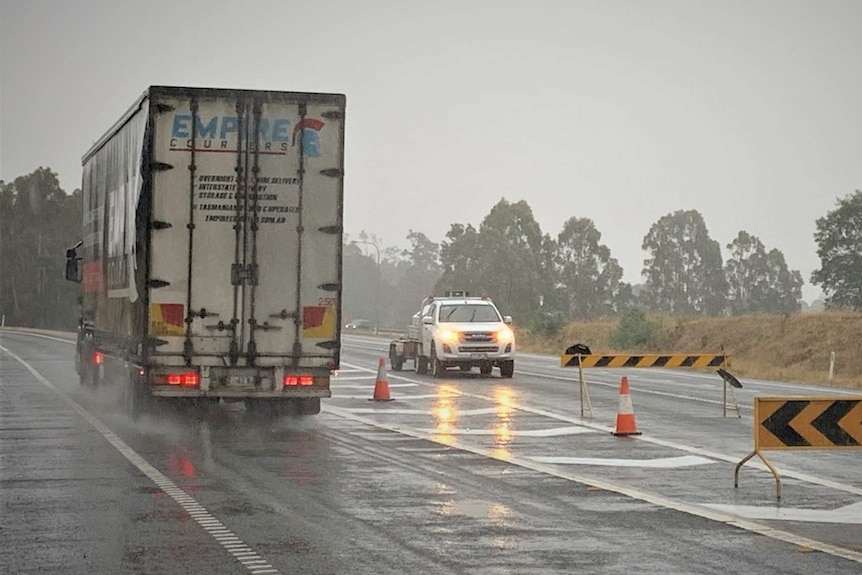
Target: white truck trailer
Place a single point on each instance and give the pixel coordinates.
(211, 250)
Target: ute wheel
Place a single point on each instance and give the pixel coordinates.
(507, 368)
(421, 365)
(437, 368)
(394, 360)
(485, 368)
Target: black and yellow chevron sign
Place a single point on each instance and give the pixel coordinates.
(807, 423)
(649, 360)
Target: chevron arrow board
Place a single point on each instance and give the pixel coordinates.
(808, 423)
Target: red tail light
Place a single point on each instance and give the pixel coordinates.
(98, 358)
(293, 380)
(188, 379)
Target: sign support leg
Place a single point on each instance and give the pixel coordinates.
(769, 465)
(585, 394)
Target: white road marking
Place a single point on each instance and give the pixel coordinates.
(418, 397)
(429, 411)
(162, 481)
(658, 463)
(370, 386)
(636, 391)
(701, 511)
(352, 397)
(383, 410)
(377, 436)
(664, 443)
(659, 500)
(552, 432)
(848, 515)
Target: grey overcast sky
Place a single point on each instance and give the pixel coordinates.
(749, 111)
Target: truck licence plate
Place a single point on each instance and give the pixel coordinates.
(242, 380)
(478, 356)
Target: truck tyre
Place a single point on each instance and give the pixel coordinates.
(507, 368)
(87, 375)
(421, 365)
(135, 400)
(308, 406)
(485, 368)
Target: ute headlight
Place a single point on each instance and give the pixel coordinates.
(449, 336)
(505, 335)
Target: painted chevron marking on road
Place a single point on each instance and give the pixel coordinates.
(370, 385)
(807, 423)
(429, 411)
(562, 473)
(658, 463)
(847, 515)
(552, 432)
(697, 360)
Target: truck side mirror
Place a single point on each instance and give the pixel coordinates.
(428, 320)
(507, 319)
(73, 270)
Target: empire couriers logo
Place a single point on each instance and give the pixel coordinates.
(310, 128)
(219, 134)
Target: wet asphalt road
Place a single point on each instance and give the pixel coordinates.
(459, 475)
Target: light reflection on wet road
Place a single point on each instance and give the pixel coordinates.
(332, 494)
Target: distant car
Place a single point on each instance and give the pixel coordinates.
(360, 324)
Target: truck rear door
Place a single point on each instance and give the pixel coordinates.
(246, 228)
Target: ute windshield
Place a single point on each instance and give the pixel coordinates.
(467, 313)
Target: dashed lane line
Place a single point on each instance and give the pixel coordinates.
(352, 368)
(203, 517)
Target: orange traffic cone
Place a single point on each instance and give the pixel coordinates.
(626, 416)
(381, 386)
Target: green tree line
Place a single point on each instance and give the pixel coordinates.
(38, 222)
(545, 281)
(537, 278)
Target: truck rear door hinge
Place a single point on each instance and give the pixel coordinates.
(162, 108)
(156, 283)
(283, 314)
(160, 225)
(333, 115)
(266, 326)
(329, 344)
(329, 287)
(161, 166)
(336, 229)
(332, 173)
(240, 274)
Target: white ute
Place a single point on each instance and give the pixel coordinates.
(457, 331)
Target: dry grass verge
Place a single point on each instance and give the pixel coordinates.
(793, 348)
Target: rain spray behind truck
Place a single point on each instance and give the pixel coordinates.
(211, 252)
